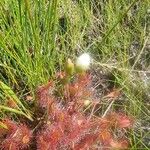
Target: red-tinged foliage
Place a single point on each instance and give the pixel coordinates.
(105, 137)
(11, 126)
(86, 142)
(44, 95)
(69, 128)
(120, 120)
(84, 79)
(23, 136)
(9, 144)
(60, 122)
(70, 131)
(119, 145)
(49, 137)
(124, 121)
(104, 123)
(78, 90)
(18, 136)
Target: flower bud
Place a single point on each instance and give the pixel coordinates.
(83, 62)
(69, 67)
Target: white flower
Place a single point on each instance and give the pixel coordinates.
(83, 62)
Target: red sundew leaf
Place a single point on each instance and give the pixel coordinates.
(74, 134)
(112, 119)
(85, 142)
(58, 114)
(65, 129)
(124, 121)
(84, 79)
(15, 134)
(45, 95)
(23, 136)
(71, 92)
(124, 143)
(11, 126)
(77, 92)
(25, 139)
(105, 137)
(74, 90)
(119, 145)
(120, 120)
(78, 119)
(9, 144)
(81, 134)
(50, 134)
(104, 123)
(55, 132)
(41, 144)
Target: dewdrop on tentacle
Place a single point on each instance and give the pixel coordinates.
(83, 62)
(87, 102)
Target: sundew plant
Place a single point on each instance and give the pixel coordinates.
(64, 117)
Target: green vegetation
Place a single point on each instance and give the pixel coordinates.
(37, 37)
